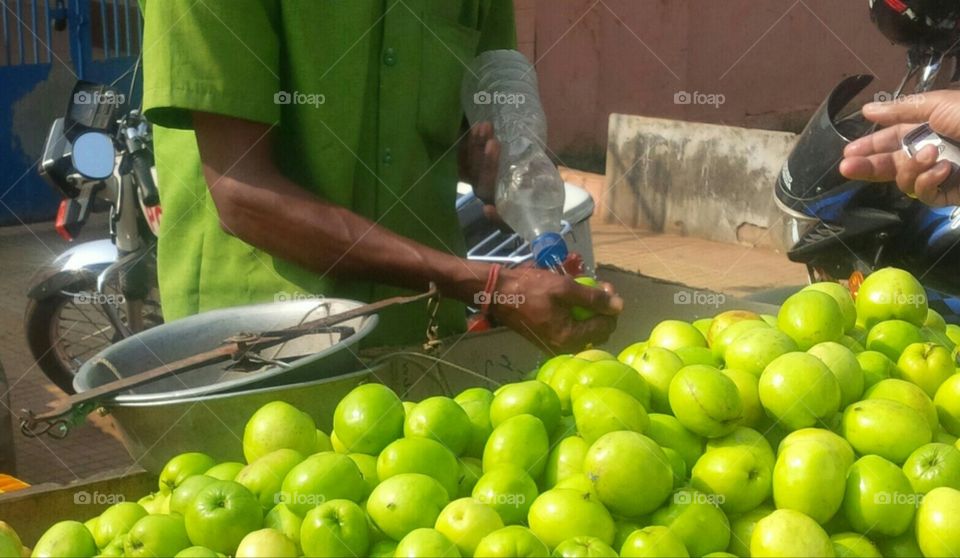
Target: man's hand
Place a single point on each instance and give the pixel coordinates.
(880, 157)
(542, 309)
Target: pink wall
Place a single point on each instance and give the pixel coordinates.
(773, 61)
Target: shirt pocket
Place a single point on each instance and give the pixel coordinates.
(447, 49)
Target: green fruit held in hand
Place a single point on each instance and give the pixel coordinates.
(521, 440)
(513, 541)
(509, 490)
(753, 350)
(600, 410)
(927, 365)
(657, 367)
(335, 528)
(938, 523)
(561, 513)
(278, 425)
(220, 515)
(183, 466)
(580, 313)
(405, 502)
(891, 337)
(466, 521)
(65, 538)
(526, 398)
(841, 295)
(584, 547)
(673, 334)
(789, 533)
(631, 474)
(695, 518)
(845, 368)
(322, 477)
(442, 419)
(655, 541)
(368, 418)
(420, 455)
(264, 477)
(891, 293)
(886, 428)
(476, 403)
(705, 401)
(798, 390)
(810, 317)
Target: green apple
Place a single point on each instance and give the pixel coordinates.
(845, 368)
(581, 483)
(632, 352)
(526, 398)
(66, 538)
(264, 477)
(703, 325)
(476, 403)
(667, 431)
(367, 464)
(322, 477)
(583, 547)
(938, 522)
(926, 364)
(10, 542)
(810, 317)
(521, 440)
(337, 445)
(723, 320)
(544, 373)
(901, 546)
(221, 514)
(383, 549)
(465, 521)
(821, 435)
(335, 528)
(876, 367)
(655, 541)
(630, 472)
(673, 334)
(944, 437)
(891, 293)
(368, 418)
(909, 394)
(442, 419)
(841, 295)
(471, 469)
(809, 477)
(283, 519)
(513, 541)
(155, 535)
(886, 428)
(938, 337)
(278, 425)
(695, 518)
(183, 466)
(323, 443)
(657, 367)
(561, 513)
(426, 543)
(748, 386)
(565, 428)
(420, 455)
(705, 401)
(947, 403)
(593, 355)
(600, 410)
(156, 502)
(935, 321)
(933, 465)
(564, 378)
(191, 552)
(875, 500)
(181, 498)
(677, 465)
(227, 470)
(116, 520)
(741, 529)
(566, 458)
(266, 542)
(891, 337)
(753, 350)
(406, 502)
(624, 527)
(733, 332)
(849, 342)
(509, 490)
(854, 545)
(697, 355)
(798, 389)
(739, 476)
(750, 439)
(611, 373)
(789, 533)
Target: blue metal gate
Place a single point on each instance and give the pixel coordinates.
(47, 46)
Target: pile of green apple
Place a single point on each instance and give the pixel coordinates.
(827, 430)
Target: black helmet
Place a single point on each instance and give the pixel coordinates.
(925, 23)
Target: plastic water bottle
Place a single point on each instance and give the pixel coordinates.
(501, 87)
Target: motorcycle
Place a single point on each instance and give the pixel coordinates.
(99, 158)
(844, 229)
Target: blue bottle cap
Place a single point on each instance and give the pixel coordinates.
(549, 249)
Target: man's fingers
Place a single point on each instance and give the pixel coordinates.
(929, 185)
(909, 168)
(594, 330)
(912, 108)
(600, 300)
(887, 140)
(874, 168)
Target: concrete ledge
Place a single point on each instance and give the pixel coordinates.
(703, 180)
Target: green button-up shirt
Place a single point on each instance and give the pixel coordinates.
(364, 98)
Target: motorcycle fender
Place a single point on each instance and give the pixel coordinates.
(82, 263)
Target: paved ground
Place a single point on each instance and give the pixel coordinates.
(94, 447)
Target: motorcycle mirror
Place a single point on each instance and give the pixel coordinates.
(93, 155)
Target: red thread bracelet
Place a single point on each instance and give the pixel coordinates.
(490, 290)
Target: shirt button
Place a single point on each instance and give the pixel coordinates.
(390, 56)
(387, 156)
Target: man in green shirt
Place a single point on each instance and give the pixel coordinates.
(311, 147)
